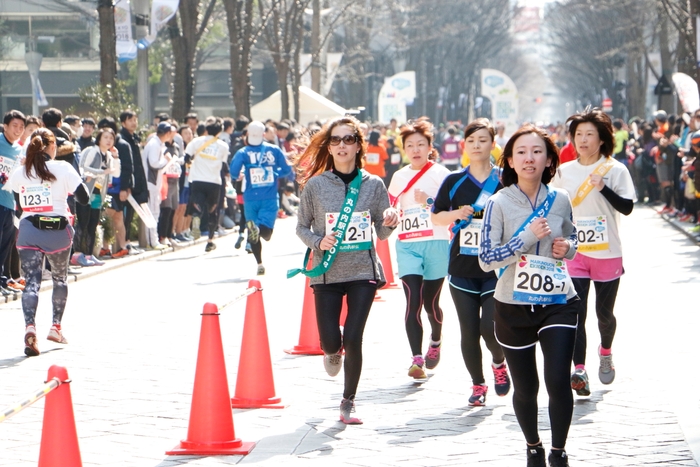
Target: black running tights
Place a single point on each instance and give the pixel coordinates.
(557, 346)
(329, 303)
(422, 293)
(605, 295)
(475, 313)
(266, 234)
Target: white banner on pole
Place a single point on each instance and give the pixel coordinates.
(397, 92)
(126, 48)
(687, 90)
(161, 12)
(332, 64)
(305, 69)
(503, 94)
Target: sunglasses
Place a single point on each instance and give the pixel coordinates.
(347, 139)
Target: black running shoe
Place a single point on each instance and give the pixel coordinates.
(558, 458)
(535, 456)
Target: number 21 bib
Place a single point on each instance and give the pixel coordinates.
(469, 238)
(540, 280)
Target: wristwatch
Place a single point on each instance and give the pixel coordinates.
(430, 201)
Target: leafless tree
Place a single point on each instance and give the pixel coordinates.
(108, 42)
(186, 29)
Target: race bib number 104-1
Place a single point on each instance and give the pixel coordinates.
(415, 223)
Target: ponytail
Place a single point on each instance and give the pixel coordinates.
(36, 151)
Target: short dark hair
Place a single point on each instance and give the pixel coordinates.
(71, 119)
(509, 176)
(190, 116)
(33, 120)
(14, 114)
(480, 124)
(88, 121)
(108, 122)
(102, 131)
(201, 129)
(281, 126)
(51, 117)
(228, 123)
(163, 117)
(241, 122)
(601, 121)
(213, 125)
(126, 115)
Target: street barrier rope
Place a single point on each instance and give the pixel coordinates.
(38, 394)
(248, 291)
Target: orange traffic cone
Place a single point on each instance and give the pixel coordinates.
(59, 438)
(211, 419)
(385, 257)
(309, 343)
(255, 387)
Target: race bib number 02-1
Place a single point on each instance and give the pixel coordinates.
(592, 233)
(36, 198)
(540, 280)
(358, 235)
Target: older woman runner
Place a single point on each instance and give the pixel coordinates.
(528, 231)
(601, 188)
(339, 204)
(41, 187)
(422, 250)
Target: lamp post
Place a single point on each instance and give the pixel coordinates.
(33, 60)
(141, 8)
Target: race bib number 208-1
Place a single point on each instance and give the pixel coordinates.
(540, 280)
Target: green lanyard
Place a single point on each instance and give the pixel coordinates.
(340, 228)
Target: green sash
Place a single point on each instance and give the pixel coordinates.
(340, 228)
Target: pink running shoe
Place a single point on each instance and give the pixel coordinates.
(416, 370)
(432, 357)
(347, 407)
(478, 397)
(500, 375)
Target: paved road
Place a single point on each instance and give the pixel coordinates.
(134, 334)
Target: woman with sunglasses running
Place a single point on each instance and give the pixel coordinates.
(338, 206)
(422, 249)
(41, 187)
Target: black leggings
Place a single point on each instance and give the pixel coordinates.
(605, 295)
(88, 218)
(422, 293)
(475, 313)
(266, 234)
(165, 222)
(329, 303)
(557, 347)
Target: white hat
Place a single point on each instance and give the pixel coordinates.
(255, 133)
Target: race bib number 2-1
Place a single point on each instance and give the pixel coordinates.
(540, 280)
(36, 198)
(358, 235)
